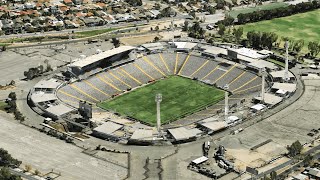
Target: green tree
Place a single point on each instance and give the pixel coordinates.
(6, 175)
(12, 96)
(294, 149)
(307, 160)
(238, 33)
(273, 175)
(314, 48)
(221, 30)
(185, 26)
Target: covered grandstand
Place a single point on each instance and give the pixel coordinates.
(57, 98)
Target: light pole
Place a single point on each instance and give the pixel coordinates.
(158, 100)
(263, 74)
(226, 101)
(286, 69)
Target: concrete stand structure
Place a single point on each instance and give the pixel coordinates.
(286, 70)
(263, 74)
(226, 101)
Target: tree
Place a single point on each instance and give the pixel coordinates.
(238, 33)
(294, 149)
(273, 175)
(297, 46)
(221, 30)
(7, 160)
(156, 39)
(307, 160)
(115, 42)
(6, 175)
(185, 26)
(37, 172)
(156, 28)
(314, 48)
(12, 96)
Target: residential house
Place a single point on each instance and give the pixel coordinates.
(93, 21)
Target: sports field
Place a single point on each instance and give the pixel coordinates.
(304, 26)
(236, 11)
(180, 96)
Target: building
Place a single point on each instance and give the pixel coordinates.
(101, 60)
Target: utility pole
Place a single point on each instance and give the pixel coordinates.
(286, 70)
(158, 100)
(263, 74)
(226, 101)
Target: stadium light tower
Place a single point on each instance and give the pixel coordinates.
(263, 74)
(158, 101)
(286, 69)
(226, 101)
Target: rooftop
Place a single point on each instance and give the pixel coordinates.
(48, 84)
(285, 86)
(182, 133)
(142, 134)
(42, 97)
(215, 125)
(270, 99)
(59, 109)
(98, 57)
(108, 127)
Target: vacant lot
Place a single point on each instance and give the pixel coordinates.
(304, 26)
(181, 96)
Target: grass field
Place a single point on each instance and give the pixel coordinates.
(180, 96)
(244, 10)
(304, 26)
(94, 32)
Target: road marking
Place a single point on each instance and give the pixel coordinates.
(65, 93)
(185, 62)
(119, 79)
(247, 89)
(175, 67)
(225, 73)
(82, 92)
(237, 77)
(199, 68)
(149, 62)
(136, 65)
(96, 88)
(111, 85)
(210, 72)
(164, 62)
(130, 76)
(245, 83)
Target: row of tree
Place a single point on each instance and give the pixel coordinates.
(260, 40)
(277, 12)
(12, 107)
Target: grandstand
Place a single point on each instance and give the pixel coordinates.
(151, 67)
(110, 74)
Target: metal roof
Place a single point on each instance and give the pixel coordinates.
(182, 133)
(98, 57)
(200, 160)
(289, 87)
(215, 125)
(37, 97)
(270, 99)
(48, 84)
(280, 74)
(142, 134)
(108, 127)
(59, 109)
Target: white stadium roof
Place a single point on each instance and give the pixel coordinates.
(215, 125)
(42, 97)
(108, 127)
(260, 64)
(270, 99)
(182, 133)
(142, 134)
(47, 84)
(280, 74)
(185, 45)
(97, 57)
(59, 109)
(284, 86)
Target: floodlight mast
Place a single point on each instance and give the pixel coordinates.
(226, 101)
(158, 100)
(286, 69)
(263, 74)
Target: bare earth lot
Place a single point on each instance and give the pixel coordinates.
(45, 153)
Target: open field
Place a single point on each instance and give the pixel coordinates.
(181, 96)
(304, 26)
(94, 32)
(234, 13)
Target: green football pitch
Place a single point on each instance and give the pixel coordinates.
(304, 26)
(180, 97)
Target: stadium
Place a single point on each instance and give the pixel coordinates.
(194, 79)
